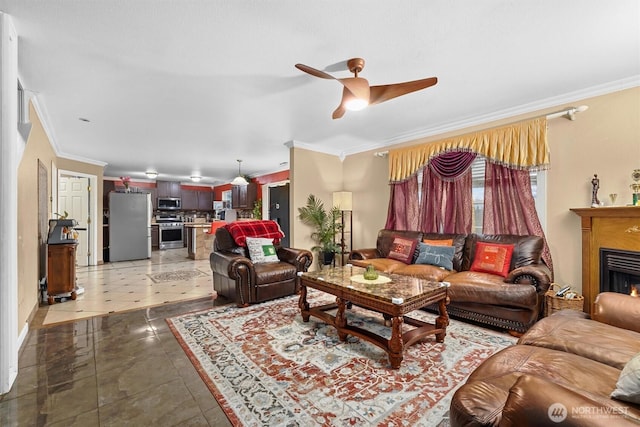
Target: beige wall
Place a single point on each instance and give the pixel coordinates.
(310, 173)
(605, 140)
(39, 148)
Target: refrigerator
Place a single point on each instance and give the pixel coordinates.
(129, 226)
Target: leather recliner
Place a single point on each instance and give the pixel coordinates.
(237, 278)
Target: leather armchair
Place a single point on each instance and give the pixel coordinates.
(237, 278)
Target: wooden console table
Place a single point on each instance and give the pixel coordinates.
(616, 227)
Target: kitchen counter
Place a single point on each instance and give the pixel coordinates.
(199, 241)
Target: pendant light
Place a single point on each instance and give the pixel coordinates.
(239, 180)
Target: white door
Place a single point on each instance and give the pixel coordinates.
(73, 197)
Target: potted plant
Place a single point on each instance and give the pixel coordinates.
(325, 225)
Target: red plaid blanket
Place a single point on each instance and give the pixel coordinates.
(240, 230)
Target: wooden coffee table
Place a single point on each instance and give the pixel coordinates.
(394, 300)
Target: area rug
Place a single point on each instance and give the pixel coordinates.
(266, 367)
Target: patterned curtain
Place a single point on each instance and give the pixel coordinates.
(403, 205)
(509, 206)
(446, 194)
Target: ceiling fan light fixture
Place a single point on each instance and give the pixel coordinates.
(355, 104)
(151, 174)
(195, 178)
(239, 180)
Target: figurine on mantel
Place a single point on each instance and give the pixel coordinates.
(595, 183)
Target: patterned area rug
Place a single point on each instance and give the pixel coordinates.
(172, 276)
(266, 367)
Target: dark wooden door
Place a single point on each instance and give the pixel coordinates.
(279, 209)
(43, 220)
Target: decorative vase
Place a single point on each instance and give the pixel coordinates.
(327, 257)
(370, 273)
(127, 189)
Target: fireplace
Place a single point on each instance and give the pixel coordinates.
(619, 270)
(615, 228)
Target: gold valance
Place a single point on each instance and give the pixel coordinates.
(522, 145)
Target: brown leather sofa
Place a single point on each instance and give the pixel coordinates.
(565, 359)
(514, 302)
(238, 279)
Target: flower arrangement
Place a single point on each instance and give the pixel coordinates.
(126, 180)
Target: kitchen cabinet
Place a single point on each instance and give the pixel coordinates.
(168, 189)
(243, 196)
(155, 237)
(189, 200)
(61, 270)
(205, 200)
(197, 200)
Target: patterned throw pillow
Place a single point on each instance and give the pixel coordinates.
(402, 249)
(492, 258)
(443, 242)
(440, 256)
(261, 250)
(628, 385)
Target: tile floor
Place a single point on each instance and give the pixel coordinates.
(81, 366)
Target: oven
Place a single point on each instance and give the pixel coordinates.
(170, 229)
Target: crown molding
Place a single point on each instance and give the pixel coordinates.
(441, 128)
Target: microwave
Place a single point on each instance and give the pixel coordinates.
(169, 203)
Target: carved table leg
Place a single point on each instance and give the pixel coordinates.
(442, 321)
(303, 304)
(396, 347)
(341, 318)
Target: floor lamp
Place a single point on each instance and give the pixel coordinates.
(344, 201)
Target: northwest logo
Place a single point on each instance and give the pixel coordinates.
(557, 412)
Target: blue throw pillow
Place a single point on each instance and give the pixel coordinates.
(440, 256)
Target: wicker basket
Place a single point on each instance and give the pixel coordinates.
(552, 303)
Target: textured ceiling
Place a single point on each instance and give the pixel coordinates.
(188, 87)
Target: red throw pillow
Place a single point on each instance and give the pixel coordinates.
(402, 249)
(492, 258)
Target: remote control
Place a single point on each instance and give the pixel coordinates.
(563, 291)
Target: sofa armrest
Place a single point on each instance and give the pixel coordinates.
(619, 310)
(367, 253)
(537, 275)
(301, 258)
(530, 404)
(232, 265)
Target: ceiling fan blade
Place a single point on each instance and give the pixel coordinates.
(358, 87)
(314, 72)
(386, 92)
(339, 112)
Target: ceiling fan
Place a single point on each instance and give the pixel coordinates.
(357, 94)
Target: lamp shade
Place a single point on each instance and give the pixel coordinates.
(239, 180)
(343, 200)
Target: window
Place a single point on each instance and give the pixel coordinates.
(477, 188)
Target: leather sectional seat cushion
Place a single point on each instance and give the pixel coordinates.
(566, 358)
(512, 299)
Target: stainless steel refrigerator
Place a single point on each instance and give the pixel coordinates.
(129, 226)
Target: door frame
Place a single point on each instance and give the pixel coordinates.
(92, 228)
(265, 196)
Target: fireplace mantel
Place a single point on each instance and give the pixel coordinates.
(616, 227)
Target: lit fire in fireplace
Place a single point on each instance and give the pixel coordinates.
(634, 290)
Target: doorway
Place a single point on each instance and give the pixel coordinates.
(73, 202)
(279, 209)
(74, 193)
